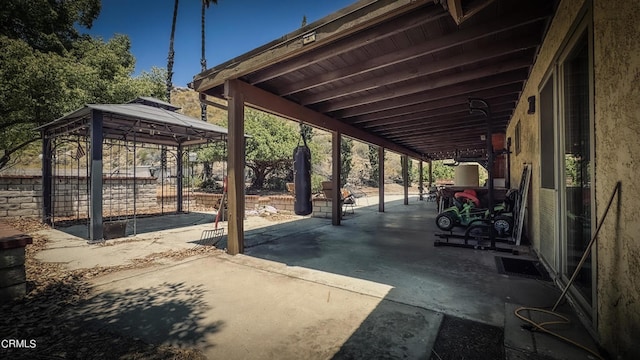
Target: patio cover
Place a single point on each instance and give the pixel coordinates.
(393, 73)
(398, 74)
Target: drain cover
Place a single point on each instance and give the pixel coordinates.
(521, 267)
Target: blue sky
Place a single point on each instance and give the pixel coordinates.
(233, 28)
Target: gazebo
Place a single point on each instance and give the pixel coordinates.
(84, 172)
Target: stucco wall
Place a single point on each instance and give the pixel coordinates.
(617, 132)
(529, 123)
(617, 146)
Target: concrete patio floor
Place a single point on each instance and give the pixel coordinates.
(374, 287)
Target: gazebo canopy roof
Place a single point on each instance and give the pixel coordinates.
(144, 120)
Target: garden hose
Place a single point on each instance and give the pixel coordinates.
(564, 319)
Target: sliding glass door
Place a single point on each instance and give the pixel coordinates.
(576, 168)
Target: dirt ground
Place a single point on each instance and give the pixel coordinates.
(51, 289)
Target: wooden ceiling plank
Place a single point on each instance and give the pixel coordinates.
(337, 26)
(414, 19)
(428, 68)
(420, 85)
(439, 98)
(459, 101)
(418, 125)
(444, 127)
(432, 46)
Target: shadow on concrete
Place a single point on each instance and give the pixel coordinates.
(143, 224)
(396, 248)
(393, 331)
(167, 314)
(63, 321)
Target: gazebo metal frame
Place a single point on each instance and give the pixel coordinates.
(123, 128)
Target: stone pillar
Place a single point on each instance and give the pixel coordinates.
(13, 277)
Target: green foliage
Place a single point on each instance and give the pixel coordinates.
(45, 25)
(346, 146)
(441, 171)
(316, 182)
(374, 170)
(39, 87)
(269, 149)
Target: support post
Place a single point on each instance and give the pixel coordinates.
(336, 207)
(420, 181)
(235, 171)
(508, 177)
(179, 181)
(47, 173)
(430, 174)
(405, 178)
(380, 179)
(96, 227)
(490, 185)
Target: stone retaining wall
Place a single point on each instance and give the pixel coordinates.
(22, 195)
(321, 208)
(280, 202)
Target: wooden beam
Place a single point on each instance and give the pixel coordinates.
(455, 9)
(460, 14)
(336, 208)
(457, 101)
(235, 168)
(505, 69)
(437, 43)
(447, 96)
(341, 24)
(444, 126)
(434, 123)
(372, 34)
(204, 100)
(380, 179)
(427, 68)
(405, 121)
(430, 174)
(420, 180)
(405, 178)
(268, 102)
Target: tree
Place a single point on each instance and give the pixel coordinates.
(441, 171)
(47, 26)
(171, 55)
(374, 170)
(345, 159)
(38, 87)
(269, 147)
(203, 58)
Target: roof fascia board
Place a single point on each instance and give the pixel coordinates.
(268, 102)
(331, 28)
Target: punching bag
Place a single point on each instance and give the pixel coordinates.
(302, 180)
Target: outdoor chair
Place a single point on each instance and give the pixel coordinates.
(347, 200)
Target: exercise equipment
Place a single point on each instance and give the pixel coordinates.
(302, 177)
